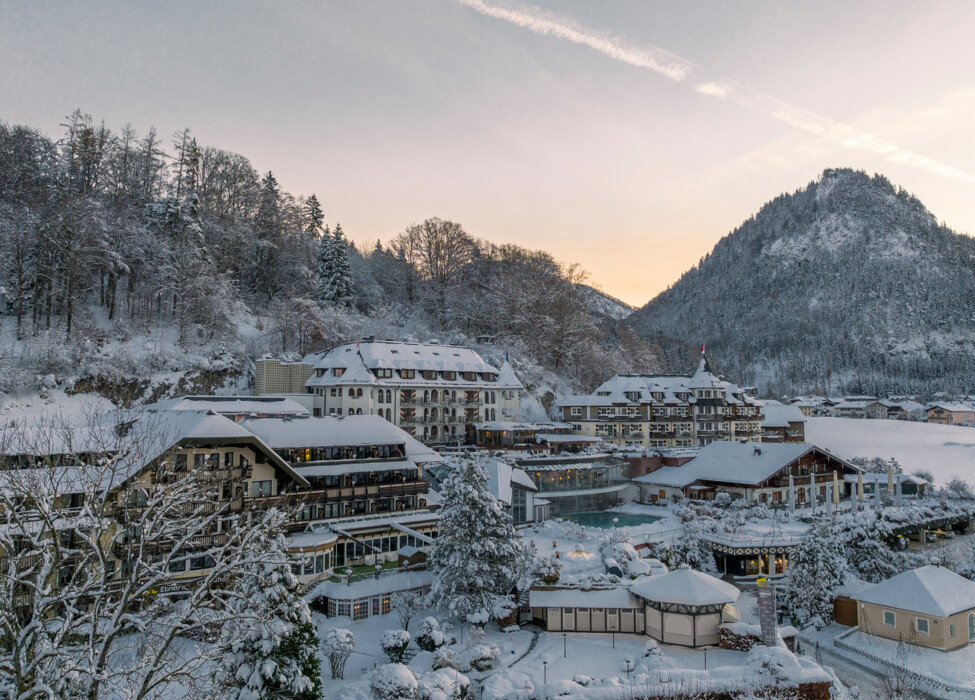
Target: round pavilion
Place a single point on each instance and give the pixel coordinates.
(684, 606)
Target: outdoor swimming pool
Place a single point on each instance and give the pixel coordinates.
(604, 519)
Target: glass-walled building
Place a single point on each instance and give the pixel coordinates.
(572, 484)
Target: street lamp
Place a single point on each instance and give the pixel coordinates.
(565, 654)
(545, 671)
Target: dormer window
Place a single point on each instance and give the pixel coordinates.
(384, 373)
(319, 373)
(469, 376)
(489, 376)
(338, 371)
(429, 374)
(450, 376)
(407, 373)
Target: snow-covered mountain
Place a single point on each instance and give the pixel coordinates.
(850, 283)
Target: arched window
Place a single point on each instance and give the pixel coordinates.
(389, 415)
(358, 411)
(389, 396)
(433, 432)
(426, 396)
(433, 396)
(433, 414)
(351, 412)
(381, 396)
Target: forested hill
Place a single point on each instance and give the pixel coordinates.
(127, 256)
(848, 284)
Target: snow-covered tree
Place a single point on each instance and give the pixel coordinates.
(406, 604)
(80, 609)
(394, 644)
(269, 648)
(430, 637)
(864, 541)
(815, 568)
(338, 645)
(475, 558)
(958, 488)
(334, 271)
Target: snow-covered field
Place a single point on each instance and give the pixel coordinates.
(947, 451)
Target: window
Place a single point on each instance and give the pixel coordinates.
(260, 489)
(890, 620)
(179, 463)
(177, 566)
(228, 460)
(576, 411)
(384, 373)
(198, 563)
(951, 629)
(407, 373)
(921, 624)
(338, 371)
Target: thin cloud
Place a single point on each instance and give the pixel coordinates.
(656, 59)
(679, 69)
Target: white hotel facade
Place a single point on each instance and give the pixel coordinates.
(436, 393)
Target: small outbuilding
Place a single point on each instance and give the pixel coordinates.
(931, 606)
(596, 610)
(685, 606)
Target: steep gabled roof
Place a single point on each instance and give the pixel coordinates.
(930, 590)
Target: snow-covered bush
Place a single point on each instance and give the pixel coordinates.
(430, 637)
(651, 648)
(443, 684)
(394, 644)
(338, 645)
(548, 570)
(394, 682)
(584, 681)
(444, 657)
(958, 488)
(772, 669)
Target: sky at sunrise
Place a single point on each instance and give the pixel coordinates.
(626, 136)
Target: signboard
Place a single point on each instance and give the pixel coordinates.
(766, 615)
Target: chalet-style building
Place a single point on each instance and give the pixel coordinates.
(659, 411)
(951, 414)
(435, 392)
(355, 482)
(781, 423)
(762, 473)
(860, 407)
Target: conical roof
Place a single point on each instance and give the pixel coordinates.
(507, 378)
(686, 587)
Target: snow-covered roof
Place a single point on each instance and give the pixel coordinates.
(778, 415)
(854, 404)
(930, 590)
(311, 538)
(660, 390)
(393, 583)
(734, 463)
(136, 438)
(952, 407)
(325, 431)
(577, 598)
(501, 425)
(339, 468)
(507, 378)
(502, 477)
(558, 437)
(232, 405)
(359, 360)
(685, 587)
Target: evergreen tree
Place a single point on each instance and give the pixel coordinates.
(475, 559)
(270, 651)
(334, 271)
(815, 568)
(314, 216)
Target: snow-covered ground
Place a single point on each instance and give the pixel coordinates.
(956, 668)
(947, 451)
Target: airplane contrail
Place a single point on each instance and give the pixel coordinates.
(681, 70)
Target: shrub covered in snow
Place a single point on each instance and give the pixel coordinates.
(443, 684)
(394, 643)
(406, 604)
(337, 646)
(394, 682)
(430, 637)
(548, 570)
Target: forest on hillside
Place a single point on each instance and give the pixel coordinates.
(127, 253)
(847, 285)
